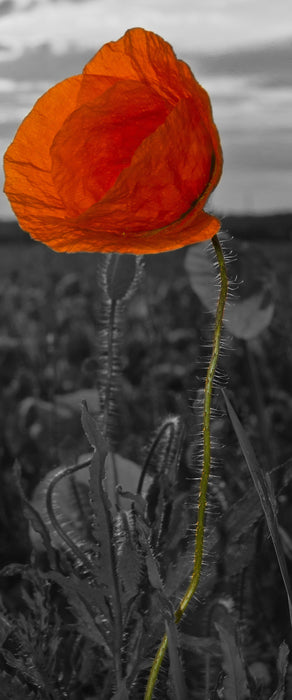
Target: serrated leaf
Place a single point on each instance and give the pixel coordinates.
(101, 508)
(105, 563)
(102, 523)
(282, 665)
(164, 455)
(235, 681)
(93, 434)
(84, 603)
(264, 489)
(130, 559)
(251, 309)
(150, 561)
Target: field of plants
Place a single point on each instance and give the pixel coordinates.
(235, 638)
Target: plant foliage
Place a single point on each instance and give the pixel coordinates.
(82, 615)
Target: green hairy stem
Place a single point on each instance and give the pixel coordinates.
(200, 527)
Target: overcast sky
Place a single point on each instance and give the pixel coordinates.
(240, 50)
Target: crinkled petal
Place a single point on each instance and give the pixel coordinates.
(145, 56)
(27, 161)
(171, 171)
(142, 56)
(151, 199)
(66, 237)
(97, 142)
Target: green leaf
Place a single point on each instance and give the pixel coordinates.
(235, 681)
(175, 666)
(105, 563)
(163, 460)
(92, 432)
(130, 559)
(282, 665)
(88, 607)
(102, 523)
(250, 310)
(264, 489)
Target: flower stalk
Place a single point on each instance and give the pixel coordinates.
(200, 527)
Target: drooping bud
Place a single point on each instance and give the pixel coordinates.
(120, 275)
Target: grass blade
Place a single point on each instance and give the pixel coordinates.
(282, 665)
(235, 681)
(175, 665)
(264, 489)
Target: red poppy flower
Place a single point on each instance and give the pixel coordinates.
(121, 158)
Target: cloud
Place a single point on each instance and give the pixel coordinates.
(250, 86)
(40, 63)
(6, 6)
(254, 191)
(268, 64)
(17, 98)
(254, 150)
(205, 25)
(242, 93)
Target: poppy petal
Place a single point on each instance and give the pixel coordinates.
(97, 142)
(66, 237)
(121, 158)
(169, 172)
(142, 56)
(145, 56)
(27, 161)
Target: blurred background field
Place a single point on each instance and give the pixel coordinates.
(48, 350)
(49, 321)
